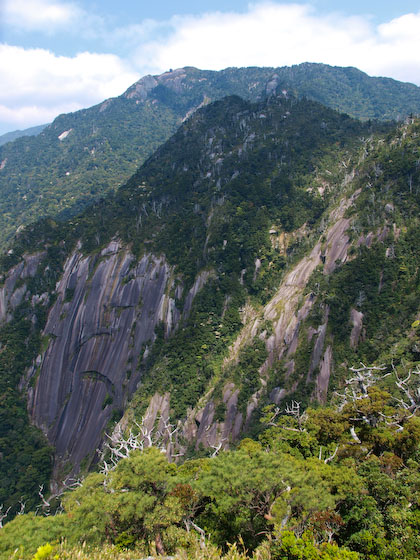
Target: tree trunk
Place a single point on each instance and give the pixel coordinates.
(159, 545)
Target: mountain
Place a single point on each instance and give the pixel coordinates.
(10, 136)
(83, 155)
(259, 253)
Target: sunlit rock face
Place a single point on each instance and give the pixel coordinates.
(99, 329)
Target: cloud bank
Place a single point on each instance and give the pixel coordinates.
(272, 34)
(36, 84)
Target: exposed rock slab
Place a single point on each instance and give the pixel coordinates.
(14, 288)
(102, 321)
(323, 378)
(318, 347)
(356, 318)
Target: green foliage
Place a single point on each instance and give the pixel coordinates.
(186, 362)
(25, 454)
(246, 372)
(101, 151)
(27, 533)
(290, 547)
(134, 504)
(302, 492)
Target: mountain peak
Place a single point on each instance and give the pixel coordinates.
(172, 79)
(141, 88)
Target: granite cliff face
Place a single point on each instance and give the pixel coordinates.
(99, 330)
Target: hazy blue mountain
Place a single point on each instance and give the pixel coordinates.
(10, 136)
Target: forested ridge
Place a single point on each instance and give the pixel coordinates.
(82, 156)
(290, 237)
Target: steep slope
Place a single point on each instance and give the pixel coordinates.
(354, 297)
(212, 281)
(83, 155)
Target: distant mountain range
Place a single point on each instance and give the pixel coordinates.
(82, 156)
(10, 136)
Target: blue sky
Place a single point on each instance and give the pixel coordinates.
(61, 55)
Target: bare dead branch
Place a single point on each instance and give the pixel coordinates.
(22, 507)
(331, 457)
(188, 524)
(354, 435)
(3, 514)
(161, 434)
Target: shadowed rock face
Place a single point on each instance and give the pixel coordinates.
(12, 293)
(99, 327)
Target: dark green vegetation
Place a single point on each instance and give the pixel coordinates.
(26, 457)
(242, 194)
(244, 165)
(305, 490)
(105, 144)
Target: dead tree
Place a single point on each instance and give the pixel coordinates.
(22, 507)
(217, 447)
(411, 394)
(3, 515)
(293, 409)
(330, 457)
(357, 386)
(188, 524)
(357, 389)
(409, 402)
(45, 504)
(272, 420)
(162, 434)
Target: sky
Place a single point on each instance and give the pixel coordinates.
(58, 56)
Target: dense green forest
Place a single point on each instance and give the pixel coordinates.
(336, 482)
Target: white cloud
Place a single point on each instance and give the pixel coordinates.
(273, 34)
(398, 48)
(36, 85)
(39, 15)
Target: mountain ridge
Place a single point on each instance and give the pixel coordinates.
(161, 277)
(15, 134)
(83, 155)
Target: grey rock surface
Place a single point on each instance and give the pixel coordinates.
(14, 288)
(103, 319)
(356, 319)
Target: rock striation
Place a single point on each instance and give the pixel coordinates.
(98, 330)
